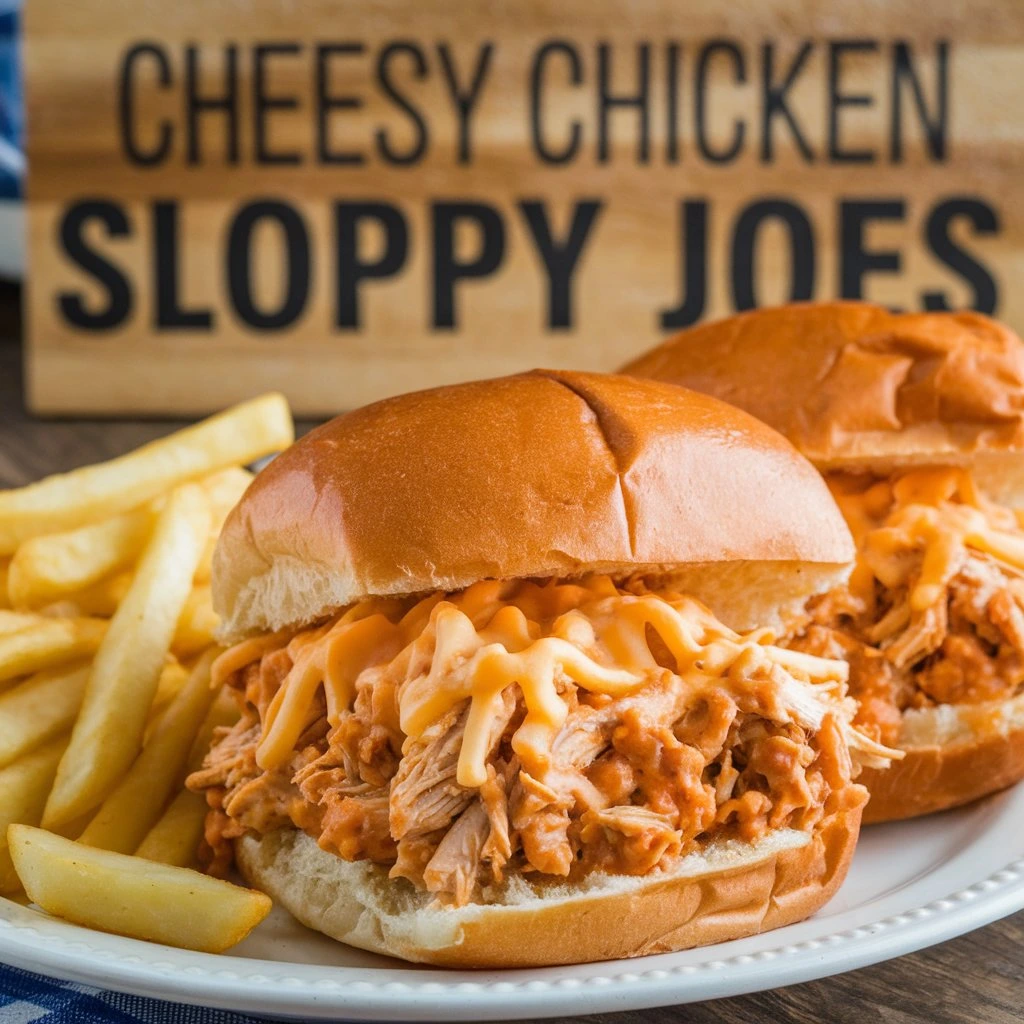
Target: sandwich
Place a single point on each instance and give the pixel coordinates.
(509, 696)
(917, 423)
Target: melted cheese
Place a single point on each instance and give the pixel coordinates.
(245, 653)
(919, 526)
(446, 650)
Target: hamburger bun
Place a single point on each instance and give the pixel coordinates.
(955, 753)
(854, 386)
(574, 473)
(726, 892)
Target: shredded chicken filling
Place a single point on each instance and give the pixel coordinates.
(552, 730)
(934, 610)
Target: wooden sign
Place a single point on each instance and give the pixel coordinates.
(350, 199)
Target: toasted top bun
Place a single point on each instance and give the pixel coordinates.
(537, 475)
(856, 387)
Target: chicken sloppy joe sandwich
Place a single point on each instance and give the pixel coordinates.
(917, 422)
(504, 653)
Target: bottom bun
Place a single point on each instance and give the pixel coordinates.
(730, 890)
(955, 753)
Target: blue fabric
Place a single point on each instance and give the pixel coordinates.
(12, 113)
(32, 999)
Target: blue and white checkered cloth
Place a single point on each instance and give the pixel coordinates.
(32, 999)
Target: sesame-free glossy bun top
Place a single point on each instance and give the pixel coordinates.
(854, 386)
(537, 475)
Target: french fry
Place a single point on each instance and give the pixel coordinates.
(136, 803)
(224, 490)
(175, 838)
(108, 734)
(196, 625)
(47, 644)
(223, 713)
(100, 599)
(76, 564)
(74, 828)
(49, 568)
(38, 709)
(204, 570)
(5, 568)
(113, 892)
(173, 676)
(11, 622)
(69, 500)
(23, 788)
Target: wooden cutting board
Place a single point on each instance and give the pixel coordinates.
(347, 200)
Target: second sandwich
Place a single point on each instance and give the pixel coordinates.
(917, 422)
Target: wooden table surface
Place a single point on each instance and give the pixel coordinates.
(978, 977)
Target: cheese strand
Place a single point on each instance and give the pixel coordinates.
(443, 652)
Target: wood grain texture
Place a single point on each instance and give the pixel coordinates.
(629, 270)
(976, 978)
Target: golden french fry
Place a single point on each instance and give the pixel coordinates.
(12, 622)
(173, 676)
(100, 599)
(113, 892)
(74, 828)
(136, 803)
(204, 570)
(23, 789)
(5, 568)
(224, 490)
(196, 625)
(75, 564)
(126, 671)
(239, 435)
(223, 713)
(38, 709)
(175, 838)
(49, 568)
(47, 644)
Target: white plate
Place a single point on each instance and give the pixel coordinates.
(911, 885)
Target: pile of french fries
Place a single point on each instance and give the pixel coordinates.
(106, 704)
